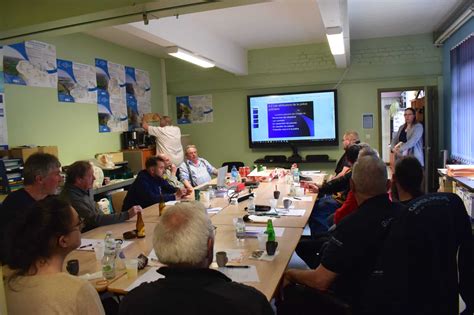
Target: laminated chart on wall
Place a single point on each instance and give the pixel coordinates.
(76, 82)
(138, 92)
(194, 109)
(112, 108)
(30, 63)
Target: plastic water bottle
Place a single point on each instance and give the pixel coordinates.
(240, 229)
(234, 173)
(251, 205)
(296, 175)
(108, 261)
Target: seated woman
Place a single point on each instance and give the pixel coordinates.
(38, 242)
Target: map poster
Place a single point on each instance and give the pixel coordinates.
(138, 91)
(111, 101)
(194, 109)
(30, 63)
(76, 82)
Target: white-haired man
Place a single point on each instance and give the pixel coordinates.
(351, 252)
(195, 171)
(184, 240)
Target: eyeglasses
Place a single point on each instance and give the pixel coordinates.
(79, 225)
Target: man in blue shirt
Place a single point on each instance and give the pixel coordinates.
(195, 171)
(150, 187)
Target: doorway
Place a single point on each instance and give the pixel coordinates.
(392, 105)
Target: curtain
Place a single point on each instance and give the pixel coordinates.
(462, 101)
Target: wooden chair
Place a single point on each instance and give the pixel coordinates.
(117, 200)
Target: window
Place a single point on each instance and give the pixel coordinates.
(462, 101)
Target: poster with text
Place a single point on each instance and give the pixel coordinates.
(194, 109)
(138, 91)
(30, 63)
(112, 108)
(76, 82)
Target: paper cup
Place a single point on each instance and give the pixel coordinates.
(131, 265)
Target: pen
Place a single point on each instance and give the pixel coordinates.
(296, 198)
(84, 246)
(237, 266)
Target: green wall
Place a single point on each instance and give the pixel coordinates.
(398, 62)
(34, 115)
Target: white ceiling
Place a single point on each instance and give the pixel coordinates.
(276, 23)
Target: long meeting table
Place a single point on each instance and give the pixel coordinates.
(269, 272)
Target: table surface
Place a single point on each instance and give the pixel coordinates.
(269, 272)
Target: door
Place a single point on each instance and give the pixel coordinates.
(431, 111)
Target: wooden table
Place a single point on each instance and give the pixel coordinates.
(269, 273)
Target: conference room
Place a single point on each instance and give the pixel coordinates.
(268, 58)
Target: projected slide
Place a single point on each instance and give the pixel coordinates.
(290, 120)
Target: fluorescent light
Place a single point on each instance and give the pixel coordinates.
(336, 40)
(188, 56)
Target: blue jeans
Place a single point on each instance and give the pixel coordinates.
(323, 208)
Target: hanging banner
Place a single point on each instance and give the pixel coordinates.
(112, 108)
(76, 82)
(138, 90)
(30, 63)
(194, 109)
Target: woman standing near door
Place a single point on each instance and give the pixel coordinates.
(409, 138)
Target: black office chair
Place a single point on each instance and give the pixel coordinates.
(232, 164)
(426, 248)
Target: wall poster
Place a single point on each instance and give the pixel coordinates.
(138, 90)
(194, 109)
(76, 82)
(112, 108)
(30, 63)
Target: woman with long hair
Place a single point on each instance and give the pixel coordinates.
(37, 245)
(409, 138)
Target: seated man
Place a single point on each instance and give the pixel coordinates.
(170, 171)
(349, 256)
(41, 177)
(184, 241)
(195, 171)
(149, 187)
(350, 137)
(326, 204)
(79, 180)
(407, 179)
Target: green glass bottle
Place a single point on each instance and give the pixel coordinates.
(270, 231)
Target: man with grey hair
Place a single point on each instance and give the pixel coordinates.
(352, 251)
(195, 170)
(184, 241)
(41, 177)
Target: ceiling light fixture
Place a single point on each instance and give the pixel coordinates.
(336, 40)
(188, 56)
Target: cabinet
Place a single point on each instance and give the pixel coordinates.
(137, 157)
(11, 175)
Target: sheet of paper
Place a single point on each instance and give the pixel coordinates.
(214, 210)
(149, 276)
(152, 255)
(241, 274)
(261, 229)
(234, 255)
(88, 244)
(171, 202)
(291, 212)
(261, 218)
(302, 198)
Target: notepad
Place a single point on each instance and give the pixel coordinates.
(291, 212)
(241, 274)
(261, 229)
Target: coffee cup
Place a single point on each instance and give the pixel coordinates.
(276, 194)
(221, 259)
(72, 266)
(287, 204)
(271, 247)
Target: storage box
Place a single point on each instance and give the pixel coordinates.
(116, 156)
(24, 153)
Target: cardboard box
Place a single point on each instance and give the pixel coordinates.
(51, 149)
(116, 156)
(24, 153)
